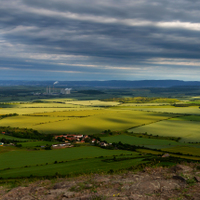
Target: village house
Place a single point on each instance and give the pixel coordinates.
(71, 138)
(78, 142)
(103, 144)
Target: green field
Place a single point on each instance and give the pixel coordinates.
(146, 151)
(187, 118)
(143, 104)
(16, 159)
(69, 160)
(189, 131)
(170, 109)
(12, 138)
(82, 166)
(184, 150)
(36, 144)
(150, 143)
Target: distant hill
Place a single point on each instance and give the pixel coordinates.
(104, 84)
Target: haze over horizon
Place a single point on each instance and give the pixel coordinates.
(99, 40)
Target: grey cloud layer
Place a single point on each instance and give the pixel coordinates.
(99, 37)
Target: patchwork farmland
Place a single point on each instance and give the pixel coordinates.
(119, 135)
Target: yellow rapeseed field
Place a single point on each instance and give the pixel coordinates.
(85, 122)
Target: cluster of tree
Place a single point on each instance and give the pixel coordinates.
(96, 137)
(108, 132)
(129, 147)
(142, 100)
(91, 92)
(26, 133)
(48, 147)
(118, 159)
(122, 146)
(15, 91)
(8, 115)
(8, 141)
(186, 104)
(150, 136)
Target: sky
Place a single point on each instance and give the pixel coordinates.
(99, 40)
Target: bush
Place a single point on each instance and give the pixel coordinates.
(18, 145)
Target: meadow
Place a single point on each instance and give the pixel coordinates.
(150, 143)
(18, 159)
(71, 168)
(184, 150)
(12, 138)
(172, 154)
(36, 144)
(187, 118)
(193, 110)
(24, 163)
(187, 130)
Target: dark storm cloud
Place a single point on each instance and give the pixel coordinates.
(152, 10)
(100, 36)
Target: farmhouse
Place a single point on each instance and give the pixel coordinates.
(82, 141)
(93, 141)
(70, 137)
(103, 144)
(57, 136)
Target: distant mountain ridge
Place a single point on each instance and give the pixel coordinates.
(111, 83)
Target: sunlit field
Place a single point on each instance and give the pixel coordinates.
(189, 131)
(185, 150)
(84, 122)
(171, 109)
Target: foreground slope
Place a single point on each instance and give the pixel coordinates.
(177, 182)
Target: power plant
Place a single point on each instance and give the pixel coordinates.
(65, 91)
(57, 91)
